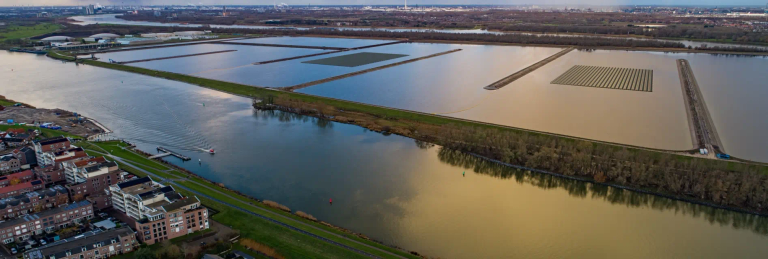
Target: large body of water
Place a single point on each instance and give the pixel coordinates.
(452, 85)
(112, 19)
(388, 187)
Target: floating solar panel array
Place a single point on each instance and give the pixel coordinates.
(632, 79)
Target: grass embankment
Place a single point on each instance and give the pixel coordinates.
(8, 102)
(15, 31)
(56, 55)
(286, 242)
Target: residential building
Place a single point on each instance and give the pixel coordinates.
(20, 229)
(55, 158)
(21, 188)
(88, 179)
(16, 178)
(48, 158)
(50, 175)
(50, 145)
(26, 156)
(9, 163)
(14, 142)
(76, 172)
(54, 173)
(99, 245)
(33, 202)
(159, 212)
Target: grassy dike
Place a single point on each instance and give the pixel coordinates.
(288, 243)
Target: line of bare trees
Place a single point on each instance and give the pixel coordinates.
(737, 185)
(740, 185)
(612, 195)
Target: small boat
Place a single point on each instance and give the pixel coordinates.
(209, 151)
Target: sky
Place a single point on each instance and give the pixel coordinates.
(383, 2)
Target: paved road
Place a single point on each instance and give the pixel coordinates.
(263, 211)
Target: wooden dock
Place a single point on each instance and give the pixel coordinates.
(517, 75)
(168, 152)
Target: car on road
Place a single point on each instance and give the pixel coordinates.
(42, 242)
(13, 250)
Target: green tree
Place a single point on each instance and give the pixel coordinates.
(144, 253)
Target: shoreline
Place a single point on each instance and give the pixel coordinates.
(525, 168)
(751, 170)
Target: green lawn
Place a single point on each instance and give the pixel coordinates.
(287, 242)
(5, 102)
(14, 31)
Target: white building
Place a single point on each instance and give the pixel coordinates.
(143, 198)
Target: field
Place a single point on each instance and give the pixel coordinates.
(14, 31)
(608, 77)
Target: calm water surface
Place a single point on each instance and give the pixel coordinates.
(452, 85)
(237, 66)
(388, 187)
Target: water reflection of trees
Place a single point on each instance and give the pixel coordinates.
(610, 194)
(292, 117)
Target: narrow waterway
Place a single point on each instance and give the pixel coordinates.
(394, 189)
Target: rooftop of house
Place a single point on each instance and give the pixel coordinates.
(47, 213)
(95, 160)
(77, 245)
(96, 167)
(180, 203)
(54, 140)
(7, 158)
(20, 186)
(26, 197)
(22, 174)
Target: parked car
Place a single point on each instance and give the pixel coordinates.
(42, 242)
(13, 250)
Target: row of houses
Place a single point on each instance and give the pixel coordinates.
(64, 186)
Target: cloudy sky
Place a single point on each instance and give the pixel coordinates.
(376, 2)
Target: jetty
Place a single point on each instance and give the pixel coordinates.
(168, 152)
(330, 52)
(699, 119)
(517, 75)
(321, 81)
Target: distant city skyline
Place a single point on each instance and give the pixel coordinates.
(383, 2)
